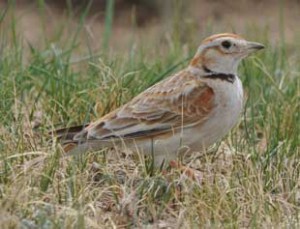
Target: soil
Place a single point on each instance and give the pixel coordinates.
(147, 20)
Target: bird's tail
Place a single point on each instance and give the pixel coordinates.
(66, 136)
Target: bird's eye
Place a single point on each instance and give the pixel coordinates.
(226, 44)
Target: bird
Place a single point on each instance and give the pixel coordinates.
(191, 109)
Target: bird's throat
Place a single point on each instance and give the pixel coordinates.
(209, 74)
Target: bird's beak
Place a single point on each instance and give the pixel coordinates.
(254, 46)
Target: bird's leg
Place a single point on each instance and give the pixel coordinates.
(193, 174)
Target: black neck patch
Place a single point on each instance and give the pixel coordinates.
(217, 75)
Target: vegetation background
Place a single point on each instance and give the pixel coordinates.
(69, 62)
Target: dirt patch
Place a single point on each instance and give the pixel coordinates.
(138, 21)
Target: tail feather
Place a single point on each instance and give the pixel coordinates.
(73, 140)
(66, 135)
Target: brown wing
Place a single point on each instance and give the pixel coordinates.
(179, 101)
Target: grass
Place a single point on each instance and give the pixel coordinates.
(251, 178)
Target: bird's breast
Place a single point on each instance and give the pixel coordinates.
(225, 115)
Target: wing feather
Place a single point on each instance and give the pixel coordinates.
(182, 100)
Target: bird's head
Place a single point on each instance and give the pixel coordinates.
(223, 52)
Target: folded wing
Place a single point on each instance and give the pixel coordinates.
(178, 102)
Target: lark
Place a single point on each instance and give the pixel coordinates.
(190, 109)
